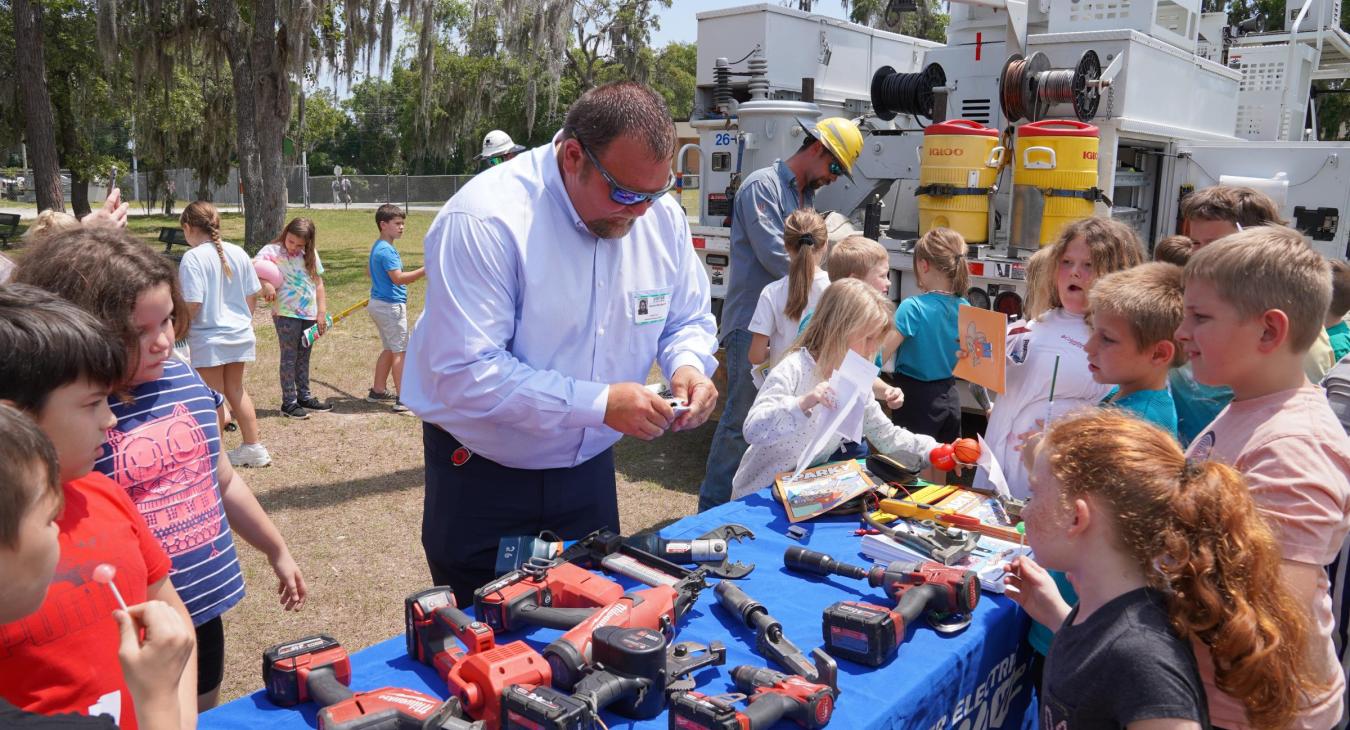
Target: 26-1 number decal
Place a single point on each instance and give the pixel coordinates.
(722, 139)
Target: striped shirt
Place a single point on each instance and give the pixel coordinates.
(163, 451)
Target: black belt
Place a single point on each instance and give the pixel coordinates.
(944, 190)
(1091, 195)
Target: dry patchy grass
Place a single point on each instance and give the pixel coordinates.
(345, 487)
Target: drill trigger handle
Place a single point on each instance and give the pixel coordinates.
(324, 687)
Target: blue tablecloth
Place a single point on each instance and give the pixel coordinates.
(973, 680)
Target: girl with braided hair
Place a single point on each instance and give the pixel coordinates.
(221, 291)
(1166, 554)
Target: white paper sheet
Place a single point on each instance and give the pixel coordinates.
(992, 469)
(852, 384)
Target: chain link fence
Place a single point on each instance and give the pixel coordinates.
(369, 191)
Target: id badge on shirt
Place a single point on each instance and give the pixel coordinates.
(650, 306)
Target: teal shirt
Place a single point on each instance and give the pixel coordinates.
(1340, 339)
(1154, 406)
(928, 322)
(1197, 404)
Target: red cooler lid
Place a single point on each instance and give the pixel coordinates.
(1057, 128)
(960, 126)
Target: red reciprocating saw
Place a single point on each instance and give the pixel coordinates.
(658, 608)
(478, 676)
(317, 669)
(870, 634)
(772, 696)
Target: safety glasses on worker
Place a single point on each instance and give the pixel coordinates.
(621, 194)
(836, 169)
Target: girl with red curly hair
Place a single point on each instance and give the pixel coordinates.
(1165, 554)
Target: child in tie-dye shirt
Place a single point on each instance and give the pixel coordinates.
(299, 304)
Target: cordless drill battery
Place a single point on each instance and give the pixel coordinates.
(861, 632)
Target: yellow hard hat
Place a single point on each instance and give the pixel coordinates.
(840, 136)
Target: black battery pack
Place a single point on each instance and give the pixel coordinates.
(861, 632)
(540, 708)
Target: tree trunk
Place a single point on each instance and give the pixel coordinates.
(272, 114)
(35, 101)
(73, 151)
(250, 172)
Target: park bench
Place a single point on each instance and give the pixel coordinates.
(171, 237)
(9, 228)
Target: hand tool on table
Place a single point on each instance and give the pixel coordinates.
(478, 675)
(554, 593)
(870, 634)
(317, 669)
(608, 551)
(771, 696)
(709, 550)
(919, 511)
(658, 608)
(943, 543)
(311, 333)
(635, 669)
(770, 642)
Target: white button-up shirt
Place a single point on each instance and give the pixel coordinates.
(529, 316)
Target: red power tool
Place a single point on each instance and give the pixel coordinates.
(870, 634)
(556, 594)
(658, 608)
(772, 696)
(317, 669)
(479, 676)
(635, 671)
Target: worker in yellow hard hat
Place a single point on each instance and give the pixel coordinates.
(759, 209)
(836, 140)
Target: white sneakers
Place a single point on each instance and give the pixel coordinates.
(250, 455)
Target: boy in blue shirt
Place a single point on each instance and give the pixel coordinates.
(1134, 314)
(389, 304)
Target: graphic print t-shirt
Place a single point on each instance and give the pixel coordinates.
(297, 296)
(163, 452)
(63, 658)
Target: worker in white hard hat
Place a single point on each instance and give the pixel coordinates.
(498, 147)
(830, 147)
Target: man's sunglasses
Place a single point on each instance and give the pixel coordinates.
(621, 194)
(836, 169)
(494, 161)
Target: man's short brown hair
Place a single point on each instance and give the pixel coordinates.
(1269, 267)
(1149, 297)
(606, 112)
(1244, 206)
(25, 456)
(854, 258)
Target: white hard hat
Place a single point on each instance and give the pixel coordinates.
(496, 143)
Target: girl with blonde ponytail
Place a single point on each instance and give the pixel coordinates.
(782, 303)
(221, 290)
(925, 328)
(1165, 554)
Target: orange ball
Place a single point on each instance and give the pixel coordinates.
(966, 451)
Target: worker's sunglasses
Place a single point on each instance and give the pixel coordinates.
(836, 169)
(621, 194)
(494, 161)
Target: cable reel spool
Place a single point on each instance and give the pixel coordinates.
(906, 93)
(1028, 87)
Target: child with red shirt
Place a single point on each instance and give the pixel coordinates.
(59, 367)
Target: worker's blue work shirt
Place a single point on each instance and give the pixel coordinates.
(758, 257)
(529, 316)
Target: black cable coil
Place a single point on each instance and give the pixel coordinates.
(905, 93)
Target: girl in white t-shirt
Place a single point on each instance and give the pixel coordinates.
(221, 288)
(782, 303)
(784, 418)
(1085, 250)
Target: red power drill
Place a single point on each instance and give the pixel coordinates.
(658, 608)
(317, 669)
(556, 594)
(870, 634)
(772, 697)
(479, 676)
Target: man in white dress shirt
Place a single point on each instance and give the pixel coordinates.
(554, 281)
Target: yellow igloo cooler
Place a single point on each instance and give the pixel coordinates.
(1059, 158)
(958, 165)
